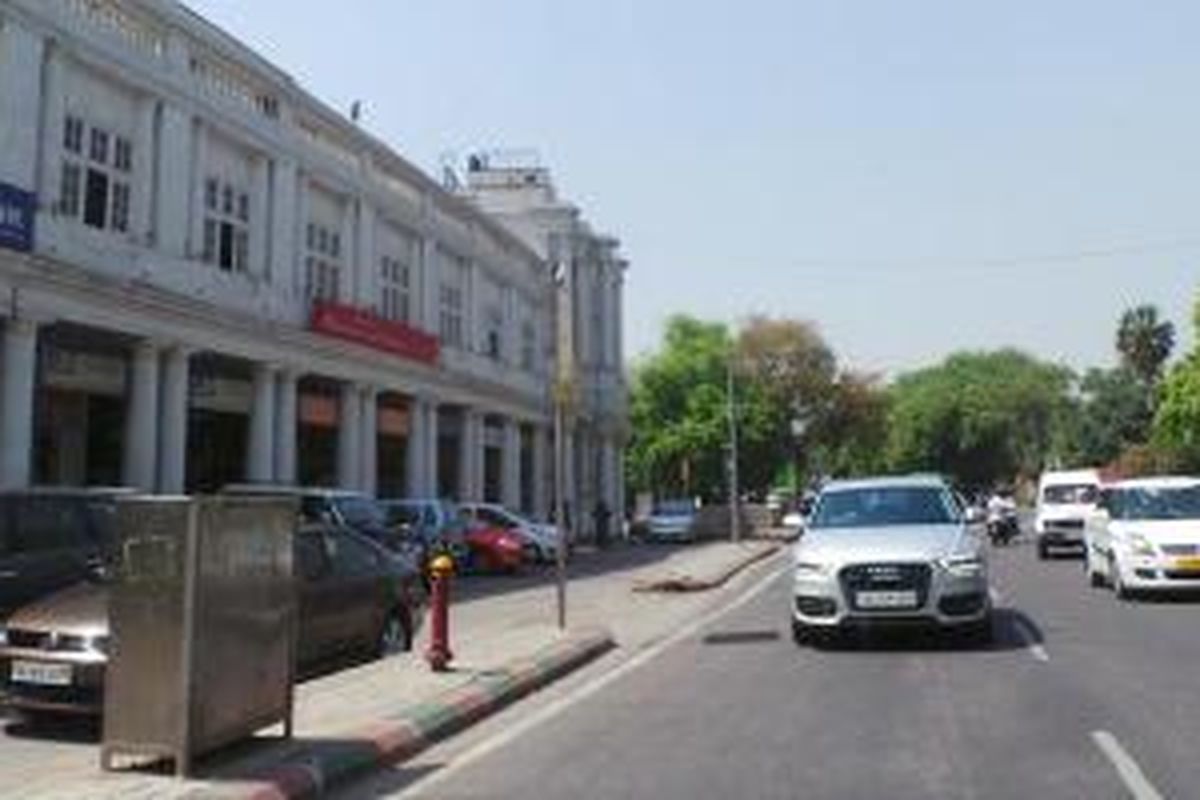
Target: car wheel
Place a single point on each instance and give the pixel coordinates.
(1122, 591)
(980, 634)
(1095, 579)
(395, 636)
(1043, 551)
(802, 634)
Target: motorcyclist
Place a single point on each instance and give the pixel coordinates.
(1002, 515)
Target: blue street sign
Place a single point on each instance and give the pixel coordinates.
(17, 208)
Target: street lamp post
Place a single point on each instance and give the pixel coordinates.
(735, 522)
(799, 426)
(564, 387)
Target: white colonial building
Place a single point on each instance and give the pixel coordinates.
(208, 276)
(520, 194)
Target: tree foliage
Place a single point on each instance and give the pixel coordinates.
(1177, 420)
(1145, 342)
(979, 417)
(1116, 409)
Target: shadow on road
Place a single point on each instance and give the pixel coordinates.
(1011, 630)
(78, 730)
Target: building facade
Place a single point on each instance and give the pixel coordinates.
(521, 195)
(208, 276)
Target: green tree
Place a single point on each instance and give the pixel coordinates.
(1145, 342)
(979, 417)
(852, 429)
(1177, 419)
(680, 421)
(1115, 411)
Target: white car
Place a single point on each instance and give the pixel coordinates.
(1146, 536)
(672, 521)
(1065, 502)
(890, 552)
(542, 539)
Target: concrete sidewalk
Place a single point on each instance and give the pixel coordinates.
(505, 646)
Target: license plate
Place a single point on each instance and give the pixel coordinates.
(1190, 564)
(41, 673)
(886, 599)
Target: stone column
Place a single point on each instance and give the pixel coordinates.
(470, 461)
(416, 449)
(141, 419)
(142, 202)
(173, 410)
(260, 190)
(364, 266)
(284, 229)
(433, 453)
(541, 477)
(510, 472)
(172, 207)
(20, 103)
(285, 427)
(16, 403)
(260, 444)
(199, 176)
(349, 457)
(369, 446)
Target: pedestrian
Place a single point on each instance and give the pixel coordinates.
(602, 516)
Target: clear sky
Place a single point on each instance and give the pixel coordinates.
(915, 176)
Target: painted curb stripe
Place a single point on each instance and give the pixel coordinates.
(419, 726)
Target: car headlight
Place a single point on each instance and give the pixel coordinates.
(964, 566)
(812, 568)
(3, 636)
(1139, 545)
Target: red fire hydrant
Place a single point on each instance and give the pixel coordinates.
(438, 654)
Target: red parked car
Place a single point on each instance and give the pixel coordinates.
(494, 549)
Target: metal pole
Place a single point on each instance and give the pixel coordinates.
(560, 520)
(735, 523)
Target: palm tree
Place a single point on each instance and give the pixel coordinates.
(1145, 342)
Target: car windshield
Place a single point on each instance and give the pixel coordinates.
(893, 505)
(1152, 503)
(360, 511)
(1070, 494)
(674, 508)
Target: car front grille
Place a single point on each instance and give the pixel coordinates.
(885, 577)
(1064, 525)
(1180, 549)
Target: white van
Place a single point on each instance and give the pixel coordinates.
(1065, 501)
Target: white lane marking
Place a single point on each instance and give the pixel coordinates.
(1131, 774)
(584, 692)
(1030, 640)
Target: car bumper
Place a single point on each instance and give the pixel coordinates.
(1156, 573)
(83, 695)
(671, 534)
(1061, 538)
(821, 601)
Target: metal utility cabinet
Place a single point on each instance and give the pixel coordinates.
(202, 617)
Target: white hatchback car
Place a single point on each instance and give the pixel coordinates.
(1146, 536)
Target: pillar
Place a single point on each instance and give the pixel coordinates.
(285, 426)
(433, 454)
(173, 413)
(200, 170)
(172, 205)
(284, 226)
(510, 471)
(20, 104)
(541, 504)
(369, 444)
(470, 460)
(16, 403)
(349, 437)
(417, 446)
(258, 257)
(260, 444)
(141, 419)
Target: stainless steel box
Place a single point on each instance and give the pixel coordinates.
(202, 617)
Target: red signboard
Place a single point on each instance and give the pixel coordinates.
(363, 327)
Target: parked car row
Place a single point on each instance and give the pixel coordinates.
(360, 569)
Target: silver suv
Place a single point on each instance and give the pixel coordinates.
(890, 551)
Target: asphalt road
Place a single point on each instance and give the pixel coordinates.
(1081, 696)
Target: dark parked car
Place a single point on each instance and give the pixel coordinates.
(51, 538)
(355, 597)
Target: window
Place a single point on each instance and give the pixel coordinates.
(493, 333)
(451, 300)
(322, 267)
(395, 296)
(95, 189)
(226, 242)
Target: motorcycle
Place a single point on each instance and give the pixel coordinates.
(1002, 526)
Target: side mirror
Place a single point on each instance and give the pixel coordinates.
(974, 515)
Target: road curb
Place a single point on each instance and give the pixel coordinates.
(688, 583)
(399, 737)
